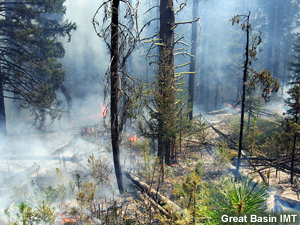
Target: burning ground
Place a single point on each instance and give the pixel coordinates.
(73, 170)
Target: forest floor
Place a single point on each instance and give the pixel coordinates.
(191, 152)
(75, 150)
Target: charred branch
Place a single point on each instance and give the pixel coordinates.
(260, 174)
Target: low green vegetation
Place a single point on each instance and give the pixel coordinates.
(234, 199)
(259, 135)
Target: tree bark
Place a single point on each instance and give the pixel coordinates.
(114, 53)
(166, 83)
(293, 151)
(243, 99)
(156, 196)
(66, 93)
(193, 59)
(3, 131)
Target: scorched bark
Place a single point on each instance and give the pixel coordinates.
(115, 131)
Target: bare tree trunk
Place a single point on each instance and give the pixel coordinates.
(115, 130)
(293, 152)
(243, 99)
(66, 93)
(3, 131)
(193, 59)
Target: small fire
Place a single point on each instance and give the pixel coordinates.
(133, 139)
(103, 109)
(65, 220)
(232, 106)
(96, 116)
(99, 115)
(228, 105)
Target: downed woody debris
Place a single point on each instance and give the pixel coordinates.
(157, 199)
(248, 160)
(272, 162)
(221, 133)
(63, 147)
(282, 164)
(276, 163)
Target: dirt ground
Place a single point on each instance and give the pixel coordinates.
(279, 185)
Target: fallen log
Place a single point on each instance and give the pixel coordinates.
(221, 133)
(260, 174)
(274, 164)
(157, 199)
(63, 147)
(287, 167)
(281, 164)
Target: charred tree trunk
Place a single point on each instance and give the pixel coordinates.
(243, 97)
(166, 84)
(217, 96)
(193, 59)
(114, 97)
(293, 151)
(66, 93)
(3, 131)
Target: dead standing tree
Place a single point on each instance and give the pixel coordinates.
(121, 40)
(114, 92)
(193, 57)
(267, 83)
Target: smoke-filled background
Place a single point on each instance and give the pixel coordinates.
(219, 63)
(219, 57)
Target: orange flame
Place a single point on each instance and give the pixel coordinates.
(133, 139)
(228, 105)
(97, 116)
(103, 109)
(65, 220)
(232, 106)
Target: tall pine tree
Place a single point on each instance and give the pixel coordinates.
(29, 32)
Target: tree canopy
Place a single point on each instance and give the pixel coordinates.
(30, 47)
